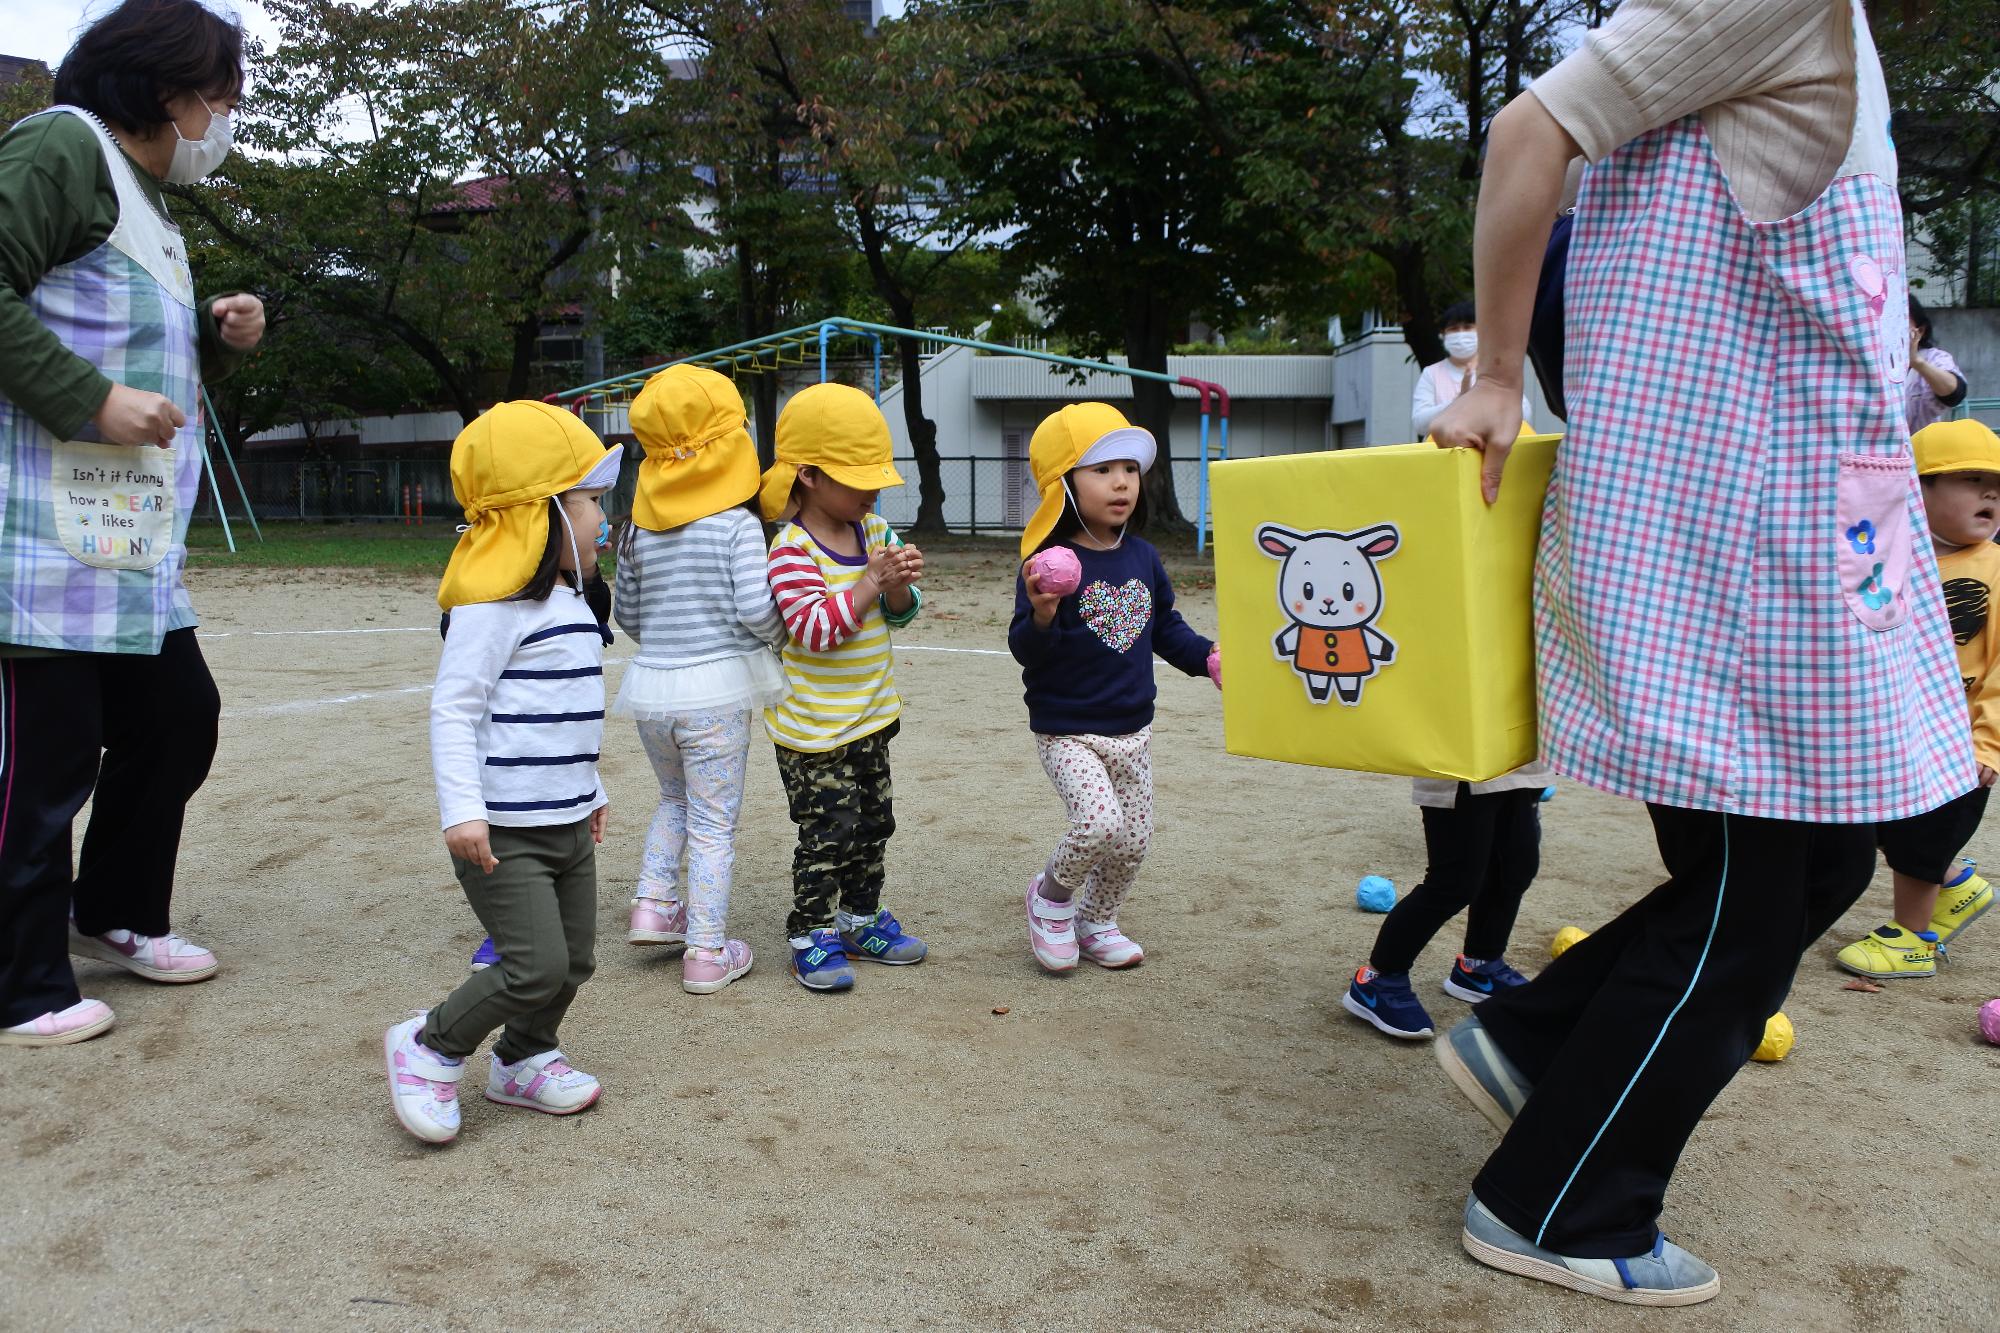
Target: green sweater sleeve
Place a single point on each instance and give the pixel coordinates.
(57, 204)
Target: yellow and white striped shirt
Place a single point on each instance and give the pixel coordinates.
(838, 658)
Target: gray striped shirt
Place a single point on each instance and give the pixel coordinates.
(697, 593)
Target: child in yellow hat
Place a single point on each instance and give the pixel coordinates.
(842, 579)
(1958, 463)
(1086, 655)
(517, 717)
(693, 592)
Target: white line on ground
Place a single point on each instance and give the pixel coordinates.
(362, 696)
(297, 633)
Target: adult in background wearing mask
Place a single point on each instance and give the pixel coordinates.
(102, 350)
(1441, 382)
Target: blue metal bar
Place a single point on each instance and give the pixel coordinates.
(1201, 486)
(221, 510)
(249, 509)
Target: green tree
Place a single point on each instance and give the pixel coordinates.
(368, 119)
(1109, 147)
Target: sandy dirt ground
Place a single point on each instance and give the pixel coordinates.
(1206, 1141)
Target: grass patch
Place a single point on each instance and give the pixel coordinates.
(324, 546)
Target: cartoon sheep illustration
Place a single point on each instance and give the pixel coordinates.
(1331, 593)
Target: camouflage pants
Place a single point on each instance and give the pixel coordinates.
(840, 800)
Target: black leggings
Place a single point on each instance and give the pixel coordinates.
(1484, 853)
(140, 731)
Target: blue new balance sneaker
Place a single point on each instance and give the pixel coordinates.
(1386, 1000)
(881, 940)
(485, 956)
(1473, 984)
(822, 964)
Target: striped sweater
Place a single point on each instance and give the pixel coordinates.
(837, 655)
(517, 714)
(697, 593)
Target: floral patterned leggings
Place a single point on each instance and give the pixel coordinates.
(700, 762)
(1107, 783)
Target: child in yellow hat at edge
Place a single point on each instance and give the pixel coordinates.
(517, 718)
(842, 580)
(694, 593)
(1958, 463)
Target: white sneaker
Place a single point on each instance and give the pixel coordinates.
(423, 1085)
(59, 1027)
(542, 1082)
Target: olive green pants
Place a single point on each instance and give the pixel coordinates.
(540, 907)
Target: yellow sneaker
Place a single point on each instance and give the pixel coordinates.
(1963, 901)
(1891, 953)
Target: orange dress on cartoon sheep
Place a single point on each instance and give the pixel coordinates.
(1333, 652)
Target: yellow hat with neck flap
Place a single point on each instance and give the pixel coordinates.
(837, 429)
(700, 459)
(1070, 438)
(505, 466)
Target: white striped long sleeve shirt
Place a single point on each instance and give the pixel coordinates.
(697, 593)
(517, 714)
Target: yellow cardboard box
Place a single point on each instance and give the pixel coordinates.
(1375, 612)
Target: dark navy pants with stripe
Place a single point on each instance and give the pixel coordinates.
(1631, 1034)
(140, 731)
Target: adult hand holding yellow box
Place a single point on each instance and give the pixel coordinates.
(1376, 613)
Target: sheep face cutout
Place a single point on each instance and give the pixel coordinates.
(1331, 594)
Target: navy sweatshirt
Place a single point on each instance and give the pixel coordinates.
(1091, 670)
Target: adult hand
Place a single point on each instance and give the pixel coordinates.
(240, 320)
(1044, 603)
(472, 841)
(599, 818)
(1986, 776)
(134, 416)
(1486, 418)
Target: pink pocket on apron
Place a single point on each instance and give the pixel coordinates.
(1872, 522)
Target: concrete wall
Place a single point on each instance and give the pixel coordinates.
(1973, 339)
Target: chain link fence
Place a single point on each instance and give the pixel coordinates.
(982, 494)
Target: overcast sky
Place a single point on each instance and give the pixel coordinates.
(44, 29)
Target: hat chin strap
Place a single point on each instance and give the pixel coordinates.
(1112, 545)
(575, 554)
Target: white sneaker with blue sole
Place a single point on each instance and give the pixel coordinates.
(1667, 1275)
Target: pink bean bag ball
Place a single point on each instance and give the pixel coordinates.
(1989, 1021)
(1057, 569)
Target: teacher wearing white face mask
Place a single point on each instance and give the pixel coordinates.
(103, 347)
(1440, 383)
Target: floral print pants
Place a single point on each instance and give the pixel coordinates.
(700, 761)
(1107, 783)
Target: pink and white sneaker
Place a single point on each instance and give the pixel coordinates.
(656, 921)
(1051, 929)
(423, 1085)
(1106, 945)
(706, 971)
(167, 958)
(80, 1022)
(542, 1082)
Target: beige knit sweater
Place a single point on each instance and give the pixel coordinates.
(1772, 79)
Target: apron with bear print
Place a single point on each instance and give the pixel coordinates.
(1737, 607)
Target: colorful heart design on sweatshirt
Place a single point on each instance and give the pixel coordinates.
(1117, 615)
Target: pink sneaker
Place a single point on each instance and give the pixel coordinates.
(1106, 945)
(1051, 929)
(655, 921)
(423, 1085)
(166, 958)
(706, 971)
(80, 1022)
(542, 1082)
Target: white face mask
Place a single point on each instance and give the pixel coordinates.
(1461, 346)
(195, 158)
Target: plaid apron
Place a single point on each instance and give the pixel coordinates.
(1736, 603)
(93, 537)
